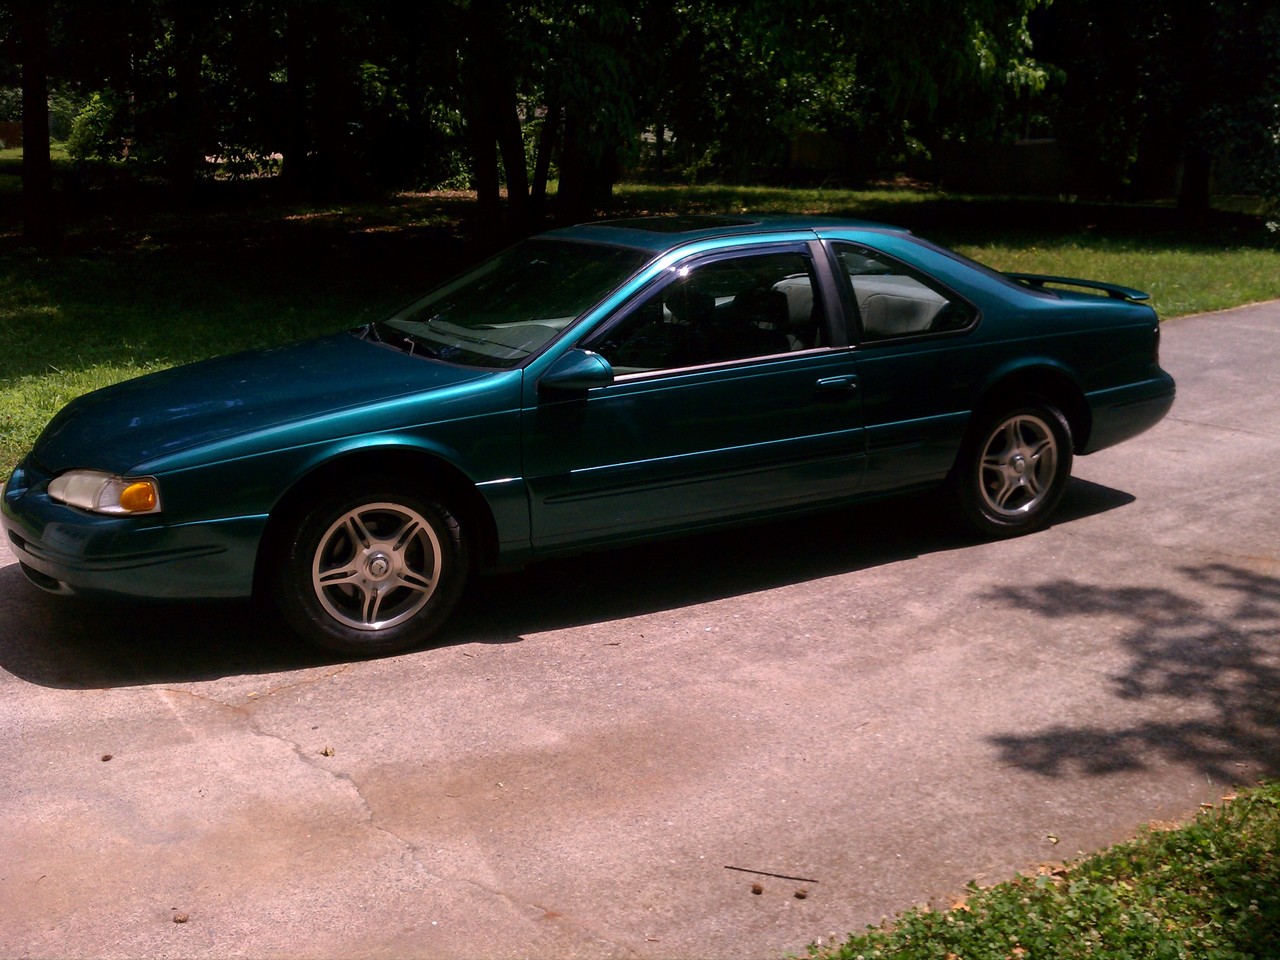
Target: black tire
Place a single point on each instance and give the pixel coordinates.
(370, 569)
(1013, 468)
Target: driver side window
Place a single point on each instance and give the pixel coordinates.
(723, 310)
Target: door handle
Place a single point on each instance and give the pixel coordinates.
(836, 386)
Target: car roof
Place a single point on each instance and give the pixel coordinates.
(657, 234)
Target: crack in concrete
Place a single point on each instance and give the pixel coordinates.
(243, 712)
(417, 854)
(302, 682)
(1224, 427)
(255, 696)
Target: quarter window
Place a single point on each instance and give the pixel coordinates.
(893, 301)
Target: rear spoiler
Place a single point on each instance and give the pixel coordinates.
(1115, 291)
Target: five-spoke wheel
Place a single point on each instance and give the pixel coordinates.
(376, 566)
(1013, 468)
(371, 571)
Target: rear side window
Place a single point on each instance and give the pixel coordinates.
(891, 300)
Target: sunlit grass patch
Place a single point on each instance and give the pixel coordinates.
(27, 403)
(1179, 281)
(1210, 888)
(720, 198)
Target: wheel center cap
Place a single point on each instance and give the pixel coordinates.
(1019, 464)
(378, 566)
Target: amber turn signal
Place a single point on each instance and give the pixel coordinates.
(139, 497)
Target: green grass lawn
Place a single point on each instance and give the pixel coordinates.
(1208, 890)
(133, 290)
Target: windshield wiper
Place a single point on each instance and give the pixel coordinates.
(417, 347)
(414, 346)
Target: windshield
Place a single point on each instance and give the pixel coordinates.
(510, 306)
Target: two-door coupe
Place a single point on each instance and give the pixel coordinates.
(588, 387)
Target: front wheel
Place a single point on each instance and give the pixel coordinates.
(371, 570)
(1013, 469)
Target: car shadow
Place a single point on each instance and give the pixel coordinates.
(667, 575)
(73, 643)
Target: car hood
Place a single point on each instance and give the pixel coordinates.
(126, 425)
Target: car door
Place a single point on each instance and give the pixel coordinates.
(917, 368)
(733, 395)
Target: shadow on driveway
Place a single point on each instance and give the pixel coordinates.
(86, 644)
(1220, 652)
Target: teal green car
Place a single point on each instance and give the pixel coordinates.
(589, 387)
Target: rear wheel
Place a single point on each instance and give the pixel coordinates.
(1013, 468)
(371, 569)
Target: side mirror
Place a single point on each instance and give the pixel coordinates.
(577, 370)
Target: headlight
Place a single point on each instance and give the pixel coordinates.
(105, 493)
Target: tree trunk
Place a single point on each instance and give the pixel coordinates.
(588, 171)
(332, 100)
(1194, 194)
(511, 146)
(547, 138)
(184, 153)
(493, 121)
(484, 163)
(39, 223)
(295, 168)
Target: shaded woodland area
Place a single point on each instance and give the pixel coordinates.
(541, 107)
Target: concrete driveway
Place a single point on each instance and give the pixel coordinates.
(730, 746)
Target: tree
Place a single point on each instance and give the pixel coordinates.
(29, 28)
(741, 79)
(597, 67)
(548, 78)
(360, 95)
(1155, 89)
(492, 110)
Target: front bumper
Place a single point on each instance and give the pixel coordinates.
(66, 550)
